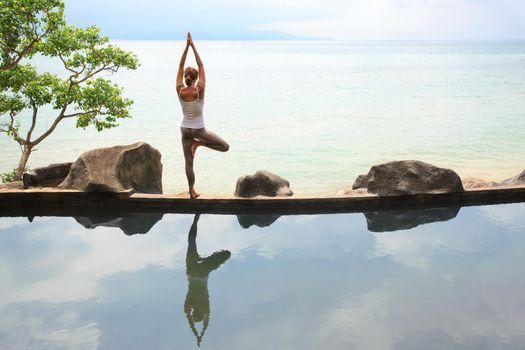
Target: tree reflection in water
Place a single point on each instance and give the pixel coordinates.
(198, 269)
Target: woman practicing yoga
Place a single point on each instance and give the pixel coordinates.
(191, 97)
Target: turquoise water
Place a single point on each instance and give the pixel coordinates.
(320, 113)
(346, 281)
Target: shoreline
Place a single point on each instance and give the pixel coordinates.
(336, 190)
(331, 190)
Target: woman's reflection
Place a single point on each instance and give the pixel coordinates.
(197, 304)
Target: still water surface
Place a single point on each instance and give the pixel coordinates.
(428, 279)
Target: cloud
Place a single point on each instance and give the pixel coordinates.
(91, 255)
(163, 19)
(390, 316)
(408, 19)
(334, 19)
(60, 330)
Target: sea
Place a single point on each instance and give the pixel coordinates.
(317, 113)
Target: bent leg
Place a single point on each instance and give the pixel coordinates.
(211, 140)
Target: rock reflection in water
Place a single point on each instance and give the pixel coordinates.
(395, 220)
(246, 221)
(198, 269)
(130, 224)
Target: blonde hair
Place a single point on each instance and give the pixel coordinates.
(190, 75)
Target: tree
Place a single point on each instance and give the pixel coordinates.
(23, 24)
(78, 95)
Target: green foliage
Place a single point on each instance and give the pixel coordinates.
(38, 26)
(84, 54)
(24, 86)
(101, 98)
(23, 24)
(10, 176)
(12, 104)
(83, 50)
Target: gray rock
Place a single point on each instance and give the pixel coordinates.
(471, 182)
(395, 220)
(263, 183)
(360, 182)
(516, 180)
(246, 221)
(410, 177)
(49, 176)
(119, 168)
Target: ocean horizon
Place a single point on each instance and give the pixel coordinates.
(317, 113)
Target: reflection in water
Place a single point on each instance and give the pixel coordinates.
(247, 221)
(197, 304)
(310, 282)
(130, 224)
(395, 220)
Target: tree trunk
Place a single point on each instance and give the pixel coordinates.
(23, 161)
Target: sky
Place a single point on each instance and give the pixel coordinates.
(304, 19)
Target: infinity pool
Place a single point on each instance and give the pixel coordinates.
(448, 278)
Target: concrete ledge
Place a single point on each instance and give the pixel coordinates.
(70, 203)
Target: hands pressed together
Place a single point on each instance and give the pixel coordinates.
(189, 40)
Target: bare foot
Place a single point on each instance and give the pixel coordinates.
(194, 146)
(194, 194)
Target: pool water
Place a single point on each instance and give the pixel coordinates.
(446, 278)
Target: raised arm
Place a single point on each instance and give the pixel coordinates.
(202, 74)
(180, 73)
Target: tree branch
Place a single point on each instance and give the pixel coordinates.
(58, 119)
(76, 74)
(48, 131)
(12, 130)
(27, 48)
(20, 55)
(93, 111)
(89, 75)
(33, 122)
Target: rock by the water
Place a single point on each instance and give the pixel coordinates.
(409, 177)
(119, 168)
(49, 176)
(395, 220)
(516, 180)
(360, 182)
(471, 182)
(131, 224)
(263, 183)
(246, 221)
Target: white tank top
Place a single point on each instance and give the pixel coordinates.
(192, 113)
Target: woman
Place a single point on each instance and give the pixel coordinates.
(191, 97)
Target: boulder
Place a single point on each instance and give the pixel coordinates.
(263, 183)
(246, 221)
(409, 177)
(516, 180)
(360, 182)
(471, 182)
(395, 220)
(49, 176)
(119, 168)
